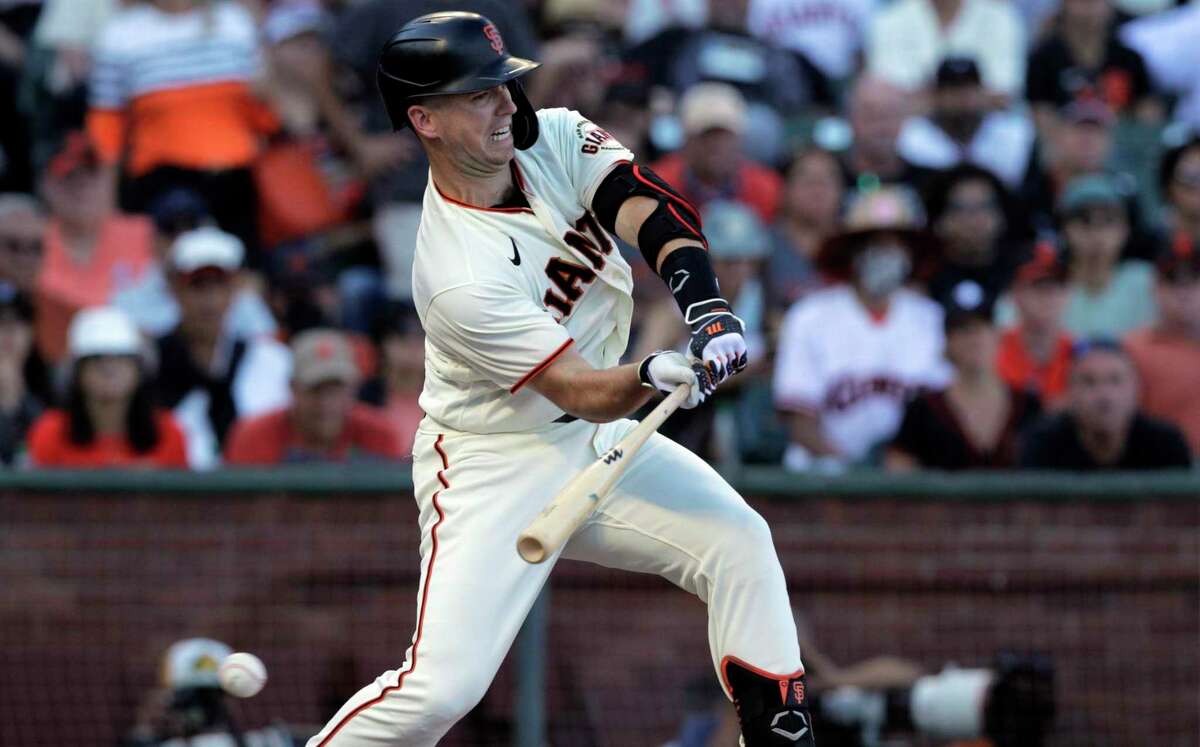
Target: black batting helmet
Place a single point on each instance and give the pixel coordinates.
(452, 52)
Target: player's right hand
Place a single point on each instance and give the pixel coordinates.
(664, 370)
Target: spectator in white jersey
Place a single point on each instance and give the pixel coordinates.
(852, 354)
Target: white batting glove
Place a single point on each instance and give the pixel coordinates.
(664, 370)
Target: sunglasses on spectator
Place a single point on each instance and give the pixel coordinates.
(21, 246)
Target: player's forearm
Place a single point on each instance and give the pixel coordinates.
(606, 395)
(598, 395)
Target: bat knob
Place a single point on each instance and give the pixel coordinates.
(531, 549)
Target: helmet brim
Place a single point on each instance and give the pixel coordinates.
(497, 73)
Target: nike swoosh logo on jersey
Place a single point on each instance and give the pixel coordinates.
(516, 257)
(683, 276)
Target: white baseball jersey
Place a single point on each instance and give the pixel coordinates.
(502, 291)
(854, 370)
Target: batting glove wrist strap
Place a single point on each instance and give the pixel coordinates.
(644, 369)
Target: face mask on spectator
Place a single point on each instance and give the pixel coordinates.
(881, 269)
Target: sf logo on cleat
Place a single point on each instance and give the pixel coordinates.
(793, 729)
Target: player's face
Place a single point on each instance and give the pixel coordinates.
(476, 129)
(1103, 390)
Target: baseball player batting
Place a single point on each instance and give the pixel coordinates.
(526, 307)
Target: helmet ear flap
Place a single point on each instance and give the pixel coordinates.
(525, 123)
(394, 99)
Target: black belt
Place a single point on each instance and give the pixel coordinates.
(565, 418)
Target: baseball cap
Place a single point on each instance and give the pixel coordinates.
(957, 71)
(178, 210)
(103, 330)
(966, 303)
(733, 231)
(1180, 260)
(206, 248)
(320, 355)
(709, 106)
(75, 153)
(14, 303)
(193, 662)
(1092, 190)
(1087, 110)
(1083, 347)
(1043, 265)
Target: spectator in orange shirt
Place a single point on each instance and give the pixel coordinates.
(324, 423)
(109, 419)
(172, 96)
(1167, 355)
(1036, 353)
(712, 163)
(91, 250)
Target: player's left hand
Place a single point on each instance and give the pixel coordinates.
(717, 341)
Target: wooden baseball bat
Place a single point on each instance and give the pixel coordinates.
(575, 502)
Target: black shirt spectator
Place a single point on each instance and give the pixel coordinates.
(1150, 444)
(974, 423)
(1055, 78)
(1101, 427)
(932, 433)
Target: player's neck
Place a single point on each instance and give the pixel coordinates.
(471, 189)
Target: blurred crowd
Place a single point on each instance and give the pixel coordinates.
(962, 234)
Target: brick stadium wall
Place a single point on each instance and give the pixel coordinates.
(93, 588)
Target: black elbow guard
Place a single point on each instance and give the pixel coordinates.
(673, 218)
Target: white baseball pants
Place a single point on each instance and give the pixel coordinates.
(670, 514)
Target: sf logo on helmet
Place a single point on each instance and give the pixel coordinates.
(493, 35)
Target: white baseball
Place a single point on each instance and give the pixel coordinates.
(242, 674)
